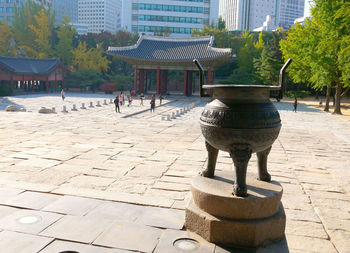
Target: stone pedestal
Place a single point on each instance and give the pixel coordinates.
(222, 218)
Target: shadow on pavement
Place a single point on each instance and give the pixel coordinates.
(285, 106)
(4, 102)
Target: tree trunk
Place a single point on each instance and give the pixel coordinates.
(337, 109)
(345, 92)
(326, 108)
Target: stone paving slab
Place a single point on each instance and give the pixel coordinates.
(169, 237)
(147, 163)
(28, 221)
(130, 236)
(14, 242)
(72, 205)
(77, 228)
(64, 246)
(32, 200)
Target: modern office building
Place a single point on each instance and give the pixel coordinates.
(251, 14)
(100, 15)
(7, 8)
(289, 11)
(81, 28)
(176, 17)
(67, 8)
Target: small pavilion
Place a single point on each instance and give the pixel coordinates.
(161, 54)
(28, 75)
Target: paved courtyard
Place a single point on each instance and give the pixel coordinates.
(99, 181)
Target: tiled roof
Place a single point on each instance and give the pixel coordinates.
(155, 48)
(29, 66)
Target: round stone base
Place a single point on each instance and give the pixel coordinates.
(244, 233)
(214, 196)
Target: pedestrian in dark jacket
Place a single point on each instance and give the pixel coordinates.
(295, 104)
(116, 102)
(153, 103)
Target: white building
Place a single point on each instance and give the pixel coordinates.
(251, 14)
(7, 8)
(289, 11)
(100, 15)
(178, 17)
(67, 8)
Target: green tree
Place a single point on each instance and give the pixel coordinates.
(122, 82)
(92, 59)
(320, 49)
(221, 23)
(41, 33)
(64, 47)
(269, 63)
(85, 78)
(6, 40)
(24, 20)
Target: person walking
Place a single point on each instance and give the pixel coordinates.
(295, 104)
(129, 101)
(116, 102)
(142, 97)
(63, 95)
(160, 99)
(153, 103)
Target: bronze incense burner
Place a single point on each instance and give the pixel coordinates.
(240, 120)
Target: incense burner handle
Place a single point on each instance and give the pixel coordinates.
(282, 75)
(201, 78)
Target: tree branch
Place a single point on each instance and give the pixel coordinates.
(344, 92)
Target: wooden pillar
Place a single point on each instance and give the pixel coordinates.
(164, 81)
(142, 80)
(189, 83)
(135, 81)
(210, 77)
(11, 84)
(158, 81)
(185, 83)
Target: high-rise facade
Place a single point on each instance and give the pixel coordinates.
(176, 17)
(7, 8)
(67, 8)
(251, 14)
(289, 11)
(100, 15)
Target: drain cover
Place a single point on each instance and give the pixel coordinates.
(29, 219)
(186, 244)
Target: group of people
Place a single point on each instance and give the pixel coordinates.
(120, 100)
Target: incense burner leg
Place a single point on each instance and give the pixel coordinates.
(262, 165)
(212, 157)
(240, 155)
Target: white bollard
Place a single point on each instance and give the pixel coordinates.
(105, 102)
(74, 108)
(111, 101)
(177, 113)
(168, 117)
(91, 105)
(83, 106)
(98, 104)
(181, 111)
(64, 109)
(173, 115)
